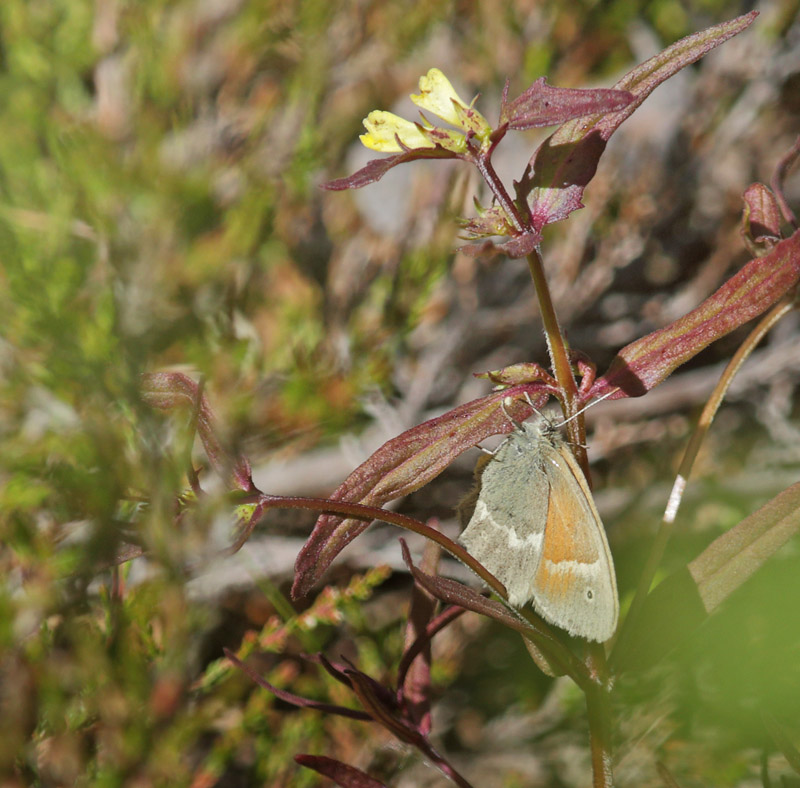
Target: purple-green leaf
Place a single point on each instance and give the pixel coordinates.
(645, 363)
(414, 685)
(383, 714)
(556, 660)
(312, 563)
(340, 773)
(562, 167)
(405, 668)
(405, 464)
(761, 220)
(295, 700)
(375, 169)
(170, 390)
(544, 105)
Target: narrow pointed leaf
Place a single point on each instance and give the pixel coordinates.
(782, 740)
(415, 685)
(761, 221)
(307, 569)
(558, 659)
(759, 284)
(387, 717)
(447, 616)
(544, 105)
(375, 169)
(566, 162)
(170, 390)
(340, 773)
(295, 700)
(383, 695)
(732, 558)
(334, 669)
(405, 464)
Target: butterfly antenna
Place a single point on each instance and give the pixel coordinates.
(586, 407)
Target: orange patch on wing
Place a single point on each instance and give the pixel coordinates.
(553, 581)
(565, 531)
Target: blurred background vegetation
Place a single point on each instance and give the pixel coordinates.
(160, 209)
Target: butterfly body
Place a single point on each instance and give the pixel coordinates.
(536, 528)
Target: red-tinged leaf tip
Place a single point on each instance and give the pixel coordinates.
(375, 169)
(562, 173)
(762, 219)
(518, 246)
(405, 464)
(340, 773)
(414, 669)
(414, 684)
(335, 669)
(447, 616)
(645, 363)
(170, 390)
(562, 167)
(295, 700)
(555, 658)
(782, 168)
(517, 374)
(455, 593)
(544, 105)
(383, 696)
(384, 714)
(645, 78)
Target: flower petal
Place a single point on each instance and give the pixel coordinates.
(384, 129)
(437, 96)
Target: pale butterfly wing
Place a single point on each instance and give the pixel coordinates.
(506, 529)
(574, 584)
(535, 527)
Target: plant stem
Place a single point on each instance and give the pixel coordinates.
(559, 358)
(484, 165)
(446, 768)
(598, 709)
(597, 697)
(597, 701)
(556, 345)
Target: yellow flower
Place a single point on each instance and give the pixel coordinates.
(383, 129)
(386, 131)
(437, 95)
